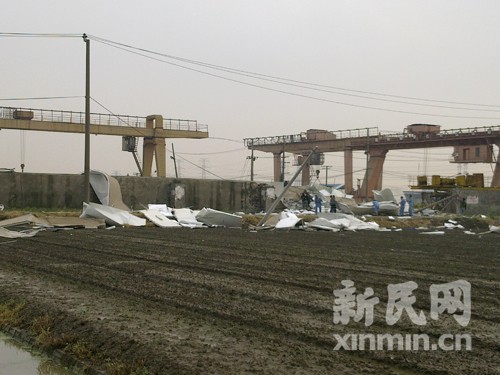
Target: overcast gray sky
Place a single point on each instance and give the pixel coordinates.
(436, 50)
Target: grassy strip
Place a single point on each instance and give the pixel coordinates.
(13, 314)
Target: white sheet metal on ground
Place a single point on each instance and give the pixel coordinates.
(75, 222)
(494, 229)
(437, 232)
(107, 190)
(159, 219)
(450, 225)
(111, 215)
(187, 218)
(287, 220)
(24, 219)
(357, 224)
(348, 222)
(5, 233)
(163, 208)
(322, 223)
(212, 217)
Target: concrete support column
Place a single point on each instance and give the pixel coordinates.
(154, 146)
(495, 181)
(277, 166)
(373, 175)
(348, 171)
(306, 174)
(148, 149)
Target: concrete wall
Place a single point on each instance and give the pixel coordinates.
(488, 202)
(21, 190)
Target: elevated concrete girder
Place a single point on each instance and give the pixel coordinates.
(373, 175)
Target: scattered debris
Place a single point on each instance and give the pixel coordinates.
(111, 215)
(287, 220)
(163, 208)
(187, 218)
(494, 229)
(107, 190)
(14, 234)
(216, 218)
(28, 219)
(159, 219)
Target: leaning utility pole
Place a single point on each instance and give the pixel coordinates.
(175, 161)
(275, 203)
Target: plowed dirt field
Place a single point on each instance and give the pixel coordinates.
(218, 301)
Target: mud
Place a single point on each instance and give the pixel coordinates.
(230, 301)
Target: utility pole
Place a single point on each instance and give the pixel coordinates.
(282, 179)
(203, 168)
(252, 159)
(278, 199)
(87, 119)
(367, 160)
(175, 162)
(326, 167)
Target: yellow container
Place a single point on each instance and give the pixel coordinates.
(422, 180)
(478, 180)
(460, 180)
(436, 180)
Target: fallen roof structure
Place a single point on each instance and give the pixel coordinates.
(107, 190)
(212, 217)
(159, 219)
(111, 215)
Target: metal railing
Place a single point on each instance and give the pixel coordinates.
(373, 133)
(312, 136)
(443, 133)
(105, 119)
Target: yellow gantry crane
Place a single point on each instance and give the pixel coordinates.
(154, 129)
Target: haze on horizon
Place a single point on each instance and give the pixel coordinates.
(440, 51)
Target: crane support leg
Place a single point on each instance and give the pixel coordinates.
(348, 171)
(373, 175)
(154, 146)
(277, 166)
(495, 182)
(306, 173)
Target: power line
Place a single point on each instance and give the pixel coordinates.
(254, 75)
(40, 35)
(211, 153)
(43, 98)
(128, 47)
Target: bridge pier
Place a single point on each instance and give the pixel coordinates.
(154, 146)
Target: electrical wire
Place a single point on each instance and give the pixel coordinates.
(125, 47)
(197, 166)
(43, 98)
(255, 75)
(40, 35)
(211, 153)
